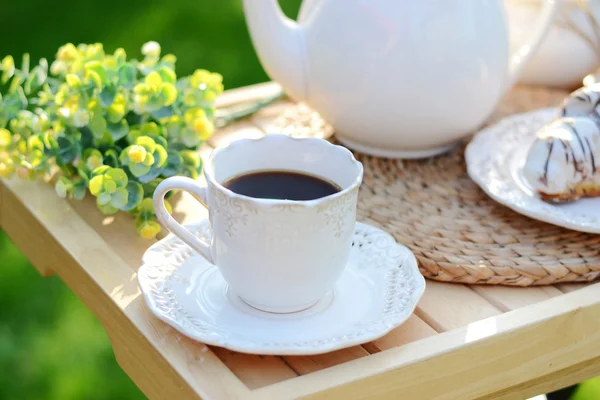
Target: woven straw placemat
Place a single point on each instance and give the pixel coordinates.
(456, 231)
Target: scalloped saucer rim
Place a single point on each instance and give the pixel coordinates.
(510, 138)
(378, 291)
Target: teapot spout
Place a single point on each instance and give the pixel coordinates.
(279, 44)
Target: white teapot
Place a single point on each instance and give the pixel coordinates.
(396, 78)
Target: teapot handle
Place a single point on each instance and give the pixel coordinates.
(524, 53)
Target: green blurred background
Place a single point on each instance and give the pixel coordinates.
(51, 346)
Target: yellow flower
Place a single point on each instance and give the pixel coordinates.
(5, 138)
(117, 109)
(136, 153)
(203, 79)
(67, 53)
(81, 118)
(110, 62)
(151, 49)
(197, 121)
(7, 165)
(149, 229)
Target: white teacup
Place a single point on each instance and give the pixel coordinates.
(277, 255)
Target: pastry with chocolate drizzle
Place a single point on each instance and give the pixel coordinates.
(562, 162)
(584, 102)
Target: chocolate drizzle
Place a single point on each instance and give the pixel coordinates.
(591, 156)
(576, 164)
(544, 179)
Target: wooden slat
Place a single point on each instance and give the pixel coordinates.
(474, 361)
(255, 371)
(48, 230)
(570, 287)
(510, 298)
(307, 364)
(447, 306)
(412, 330)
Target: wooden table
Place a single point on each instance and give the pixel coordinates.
(462, 343)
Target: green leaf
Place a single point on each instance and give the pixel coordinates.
(96, 67)
(173, 164)
(68, 150)
(119, 198)
(150, 187)
(110, 186)
(94, 78)
(43, 71)
(108, 94)
(96, 184)
(79, 190)
(153, 79)
(87, 138)
(135, 195)
(190, 172)
(119, 130)
(169, 94)
(104, 141)
(25, 64)
(139, 169)
(34, 80)
(150, 175)
(22, 97)
(100, 170)
(98, 125)
(127, 74)
(35, 143)
(167, 75)
(146, 142)
(103, 199)
(120, 55)
(160, 140)
(111, 158)
(191, 157)
(14, 84)
(117, 175)
(83, 174)
(50, 143)
(146, 209)
(160, 156)
(164, 112)
(8, 68)
(107, 209)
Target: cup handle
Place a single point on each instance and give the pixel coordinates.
(191, 186)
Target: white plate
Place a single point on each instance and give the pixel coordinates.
(377, 292)
(495, 159)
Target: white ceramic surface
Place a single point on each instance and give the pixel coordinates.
(395, 77)
(278, 255)
(377, 292)
(564, 56)
(495, 159)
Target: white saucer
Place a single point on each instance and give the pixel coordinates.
(378, 291)
(495, 159)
